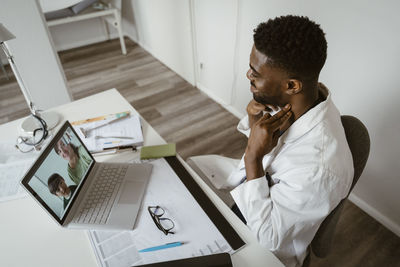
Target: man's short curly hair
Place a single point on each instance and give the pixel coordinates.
(293, 43)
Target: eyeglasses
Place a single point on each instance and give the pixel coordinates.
(164, 224)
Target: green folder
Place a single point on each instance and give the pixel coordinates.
(160, 151)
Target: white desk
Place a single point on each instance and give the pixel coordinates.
(29, 237)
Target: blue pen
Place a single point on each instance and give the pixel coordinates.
(112, 142)
(168, 245)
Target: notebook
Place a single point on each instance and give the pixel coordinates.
(78, 192)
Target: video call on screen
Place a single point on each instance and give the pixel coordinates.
(57, 179)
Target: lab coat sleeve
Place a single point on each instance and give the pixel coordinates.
(253, 200)
(294, 206)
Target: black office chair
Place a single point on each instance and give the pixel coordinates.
(359, 142)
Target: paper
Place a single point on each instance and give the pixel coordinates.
(11, 175)
(9, 153)
(151, 152)
(192, 226)
(123, 132)
(13, 165)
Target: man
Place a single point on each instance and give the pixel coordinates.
(58, 187)
(297, 164)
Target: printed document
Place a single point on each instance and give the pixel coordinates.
(192, 226)
(111, 131)
(13, 165)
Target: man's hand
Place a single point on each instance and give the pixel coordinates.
(255, 109)
(263, 138)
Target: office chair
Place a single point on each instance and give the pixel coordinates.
(358, 139)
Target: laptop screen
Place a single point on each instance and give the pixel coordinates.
(59, 172)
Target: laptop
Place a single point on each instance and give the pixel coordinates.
(78, 192)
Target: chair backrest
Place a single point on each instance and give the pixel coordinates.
(358, 139)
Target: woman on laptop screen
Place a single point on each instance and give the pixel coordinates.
(76, 155)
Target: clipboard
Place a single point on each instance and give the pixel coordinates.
(223, 226)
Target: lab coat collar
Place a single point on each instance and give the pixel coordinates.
(310, 119)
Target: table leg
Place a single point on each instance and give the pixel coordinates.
(119, 29)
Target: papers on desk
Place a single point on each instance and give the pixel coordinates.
(110, 131)
(11, 175)
(192, 226)
(13, 165)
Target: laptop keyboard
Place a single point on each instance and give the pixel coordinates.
(103, 192)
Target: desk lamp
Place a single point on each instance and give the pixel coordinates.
(30, 123)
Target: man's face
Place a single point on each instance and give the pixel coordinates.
(63, 190)
(268, 84)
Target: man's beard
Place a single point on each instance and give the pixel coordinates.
(264, 100)
(260, 99)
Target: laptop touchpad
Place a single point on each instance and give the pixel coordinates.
(131, 192)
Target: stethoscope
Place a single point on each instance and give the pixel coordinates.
(30, 141)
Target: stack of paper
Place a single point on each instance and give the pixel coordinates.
(13, 165)
(111, 131)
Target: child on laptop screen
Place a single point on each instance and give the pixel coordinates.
(58, 187)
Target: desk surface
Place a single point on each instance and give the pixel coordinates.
(29, 237)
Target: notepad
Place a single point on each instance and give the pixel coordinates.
(160, 151)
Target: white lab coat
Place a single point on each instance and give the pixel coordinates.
(312, 170)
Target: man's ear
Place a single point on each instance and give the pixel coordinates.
(294, 86)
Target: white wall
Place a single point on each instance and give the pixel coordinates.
(163, 28)
(33, 52)
(215, 68)
(361, 71)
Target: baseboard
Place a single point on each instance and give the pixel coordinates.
(388, 223)
(217, 99)
(132, 38)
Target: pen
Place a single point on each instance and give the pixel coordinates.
(119, 137)
(120, 147)
(111, 150)
(112, 142)
(168, 245)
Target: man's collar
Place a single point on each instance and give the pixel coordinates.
(309, 119)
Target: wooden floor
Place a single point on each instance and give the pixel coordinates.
(184, 115)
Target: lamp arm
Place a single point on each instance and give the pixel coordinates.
(25, 92)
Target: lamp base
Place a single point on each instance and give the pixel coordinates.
(30, 123)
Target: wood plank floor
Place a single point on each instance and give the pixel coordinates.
(184, 115)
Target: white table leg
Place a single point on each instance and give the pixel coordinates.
(117, 25)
